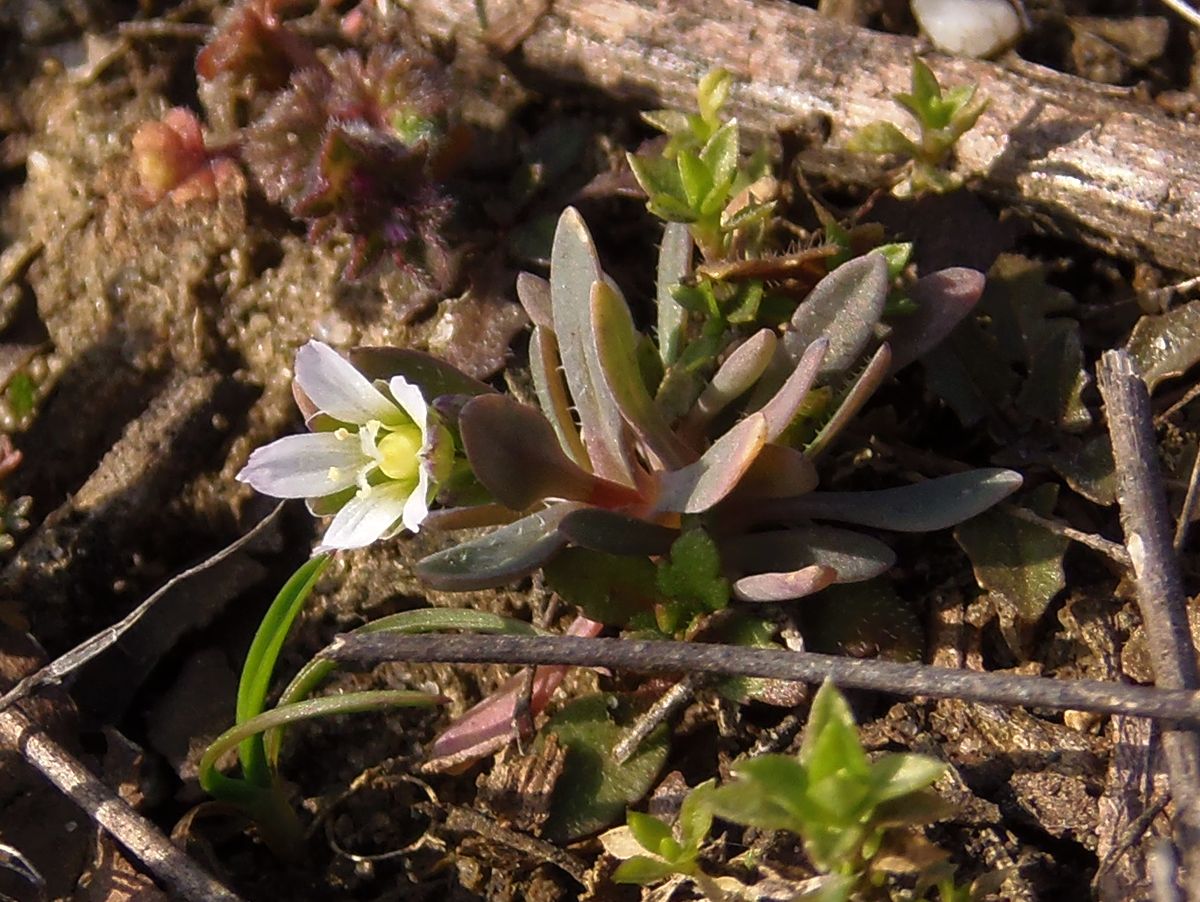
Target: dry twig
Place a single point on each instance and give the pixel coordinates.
(54, 672)
(659, 656)
(1160, 592)
(1090, 160)
(169, 865)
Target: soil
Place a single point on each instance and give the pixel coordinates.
(146, 349)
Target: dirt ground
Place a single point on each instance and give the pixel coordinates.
(146, 349)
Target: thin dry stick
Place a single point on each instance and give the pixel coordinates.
(54, 672)
(659, 656)
(668, 703)
(1160, 593)
(1189, 506)
(1097, 543)
(169, 865)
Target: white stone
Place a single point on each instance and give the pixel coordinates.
(976, 28)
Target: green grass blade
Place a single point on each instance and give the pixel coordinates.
(260, 664)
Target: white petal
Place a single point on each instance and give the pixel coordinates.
(366, 517)
(304, 466)
(410, 398)
(338, 389)
(416, 508)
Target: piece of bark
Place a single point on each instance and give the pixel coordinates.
(1082, 159)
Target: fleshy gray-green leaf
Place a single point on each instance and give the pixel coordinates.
(574, 268)
(616, 533)
(504, 556)
(845, 306)
(515, 454)
(616, 350)
(778, 471)
(736, 375)
(852, 555)
(864, 387)
(922, 507)
(769, 587)
(943, 298)
(534, 294)
(674, 264)
(546, 369)
(700, 485)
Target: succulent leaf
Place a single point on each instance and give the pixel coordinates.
(777, 472)
(616, 351)
(546, 368)
(845, 306)
(786, 403)
(943, 298)
(784, 586)
(674, 264)
(736, 375)
(854, 556)
(922, 507)
(515, 454)
(700, 485)
(574, 268)
(534, 294)
(866, 385)
(508, 554)
(615, 533)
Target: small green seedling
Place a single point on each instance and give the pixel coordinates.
(697, 178)
(942, 118)
(857, 818)
(671, 851)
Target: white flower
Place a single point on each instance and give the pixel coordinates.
(376, 462)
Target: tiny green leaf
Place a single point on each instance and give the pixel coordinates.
(607, 588)
(696, 815)
(900, 774)
(831, 742)
(593, 789)
(881, 138)
(695, 178)
(657, 176)
(649, 831)
(642, 870)
(693, 572)
(712, 93)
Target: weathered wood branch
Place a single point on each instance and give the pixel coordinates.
(1080, 158)
(1160, 592)
(170, 865)
(1182, 707)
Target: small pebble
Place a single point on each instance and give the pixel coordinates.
(975, 28)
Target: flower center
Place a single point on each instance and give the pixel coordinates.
(399, 453)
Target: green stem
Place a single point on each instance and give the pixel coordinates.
(260, 664)
(423, 620)
(266, 805)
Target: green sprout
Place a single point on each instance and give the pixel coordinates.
(259, 792)
(672, 851)
(858, 819)
(697, 178)
(942, 118)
